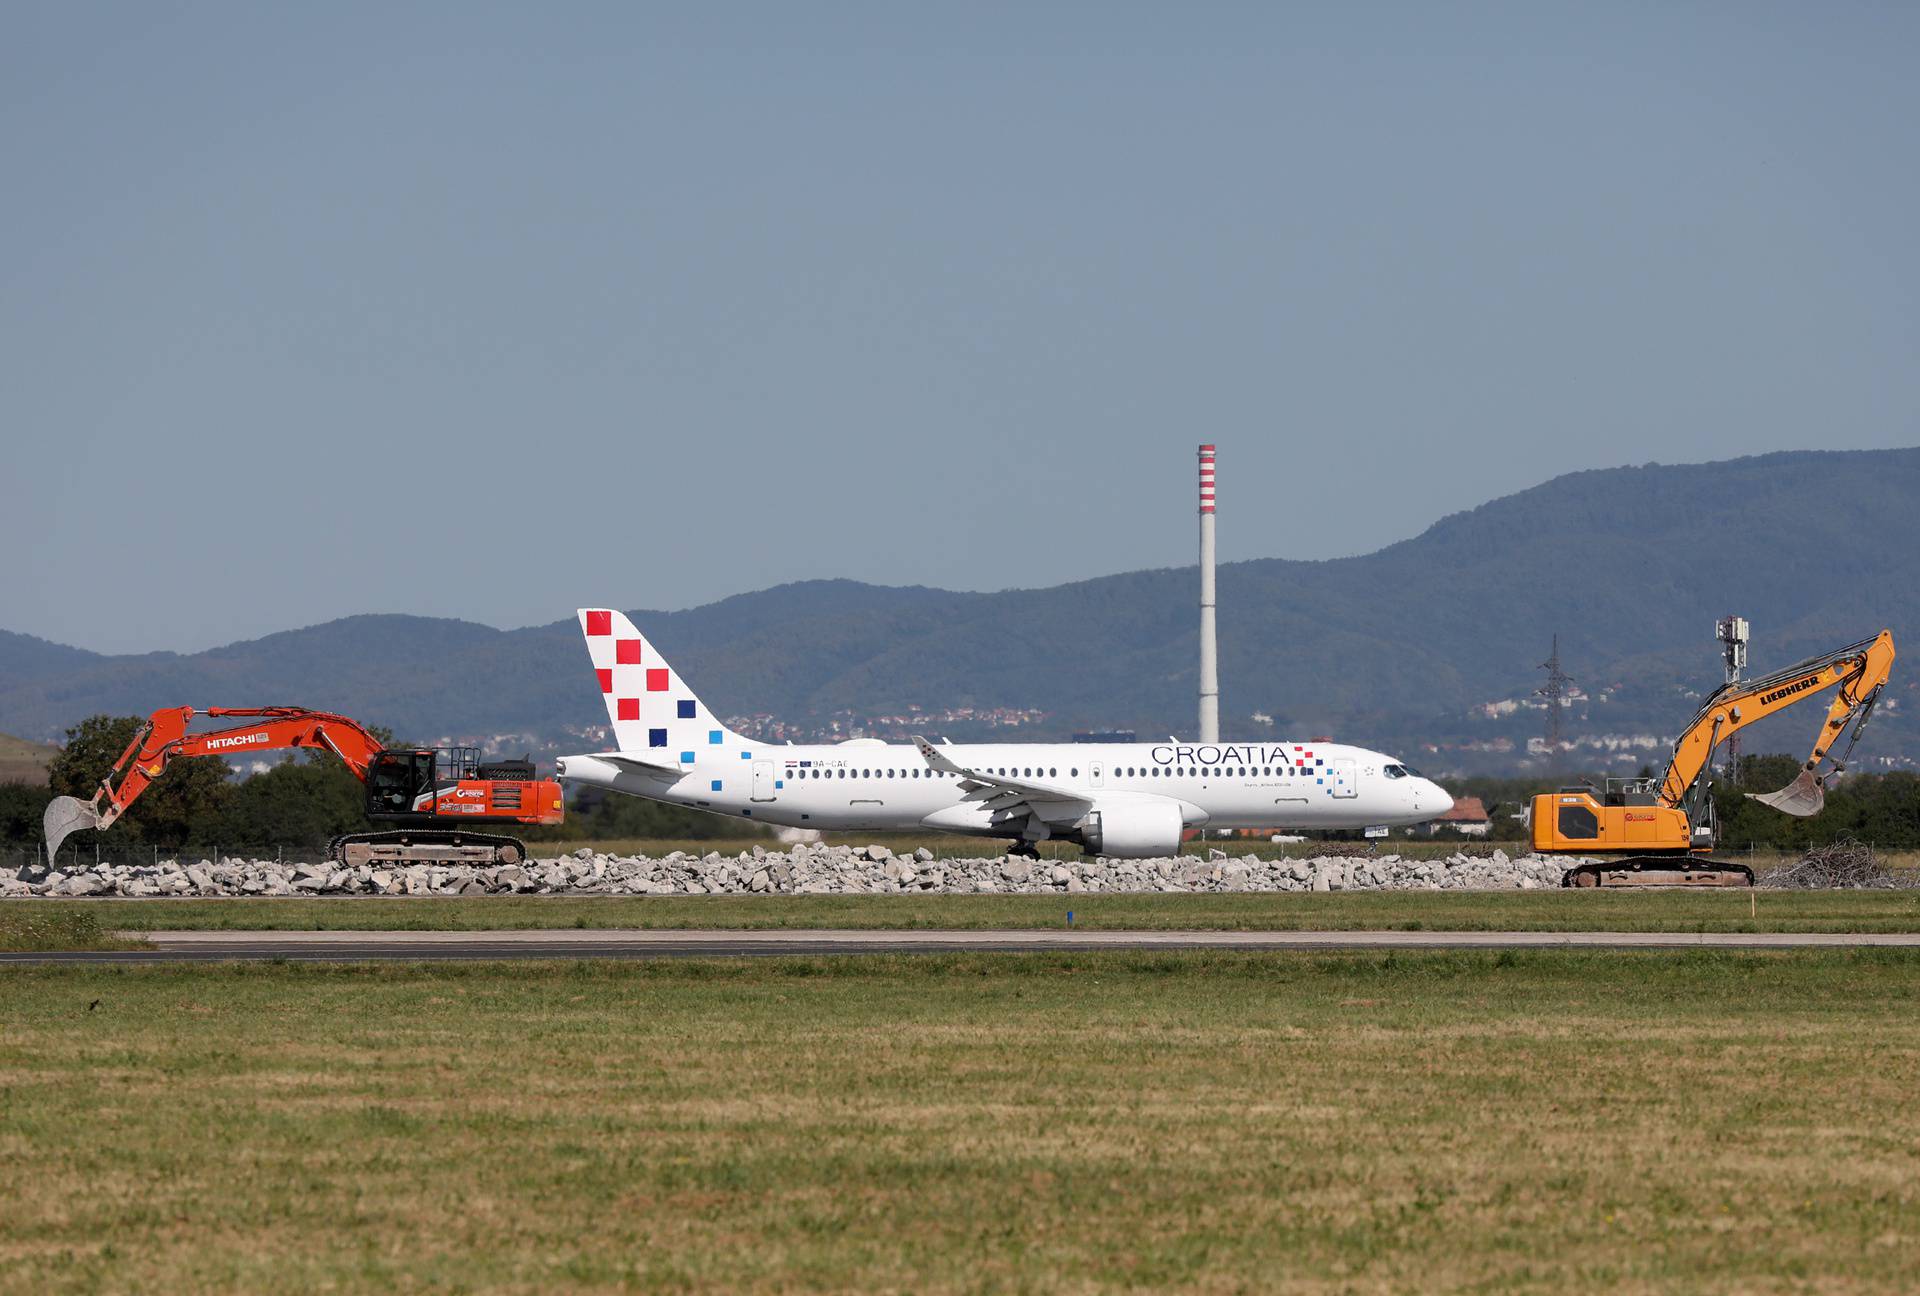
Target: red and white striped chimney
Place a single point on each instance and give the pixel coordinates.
(1209, 659)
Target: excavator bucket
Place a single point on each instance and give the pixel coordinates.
(1803, 797)
(66, 815)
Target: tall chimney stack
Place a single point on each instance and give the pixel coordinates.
(1209, 659)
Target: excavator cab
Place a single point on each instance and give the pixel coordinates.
(396, 782)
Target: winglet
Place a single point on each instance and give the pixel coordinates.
(933, 757)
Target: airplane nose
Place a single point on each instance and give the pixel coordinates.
(1441, 801)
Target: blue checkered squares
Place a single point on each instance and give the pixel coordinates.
(714, 737)
(716, 785)
(746, 755)
(656, 737)
(686, 708)
(686, 758)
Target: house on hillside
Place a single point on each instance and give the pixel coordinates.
(1468, 817)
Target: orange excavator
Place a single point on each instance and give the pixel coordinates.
(1657, 832)
(433, 798)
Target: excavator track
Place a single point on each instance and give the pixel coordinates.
(425, 846)
(1658, 871)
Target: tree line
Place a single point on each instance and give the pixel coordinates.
(300, 804)
(1880, 808)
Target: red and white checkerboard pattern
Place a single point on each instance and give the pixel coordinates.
(642, 692)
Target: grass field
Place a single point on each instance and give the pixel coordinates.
(1534, 1121)
(32, 928)
(1552, 910)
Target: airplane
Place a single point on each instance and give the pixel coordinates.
(1121, 800)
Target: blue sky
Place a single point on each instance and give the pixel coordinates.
(492, 311)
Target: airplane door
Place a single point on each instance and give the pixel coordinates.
(1098, 773)
(763, 780)
(1344, 783)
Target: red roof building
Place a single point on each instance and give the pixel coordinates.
(1468, 816)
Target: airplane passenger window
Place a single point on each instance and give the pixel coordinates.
(1052, 772)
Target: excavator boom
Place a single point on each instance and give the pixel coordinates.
(1860, 670)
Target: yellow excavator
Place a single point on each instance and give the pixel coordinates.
(1658, 832)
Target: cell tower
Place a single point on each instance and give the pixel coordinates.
(1555, 692)
(1209, 653)
(1732, 632)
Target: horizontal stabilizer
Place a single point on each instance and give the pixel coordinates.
(638, 766)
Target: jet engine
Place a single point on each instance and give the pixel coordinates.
(1133, 829)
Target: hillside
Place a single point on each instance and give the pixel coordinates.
(1401, 647)
(24, 762)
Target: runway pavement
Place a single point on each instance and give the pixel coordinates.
(570, 943)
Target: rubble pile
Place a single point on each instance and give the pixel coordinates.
(799, 869)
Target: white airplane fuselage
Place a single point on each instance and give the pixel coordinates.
(872, 786)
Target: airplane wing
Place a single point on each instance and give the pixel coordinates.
(1009, 801)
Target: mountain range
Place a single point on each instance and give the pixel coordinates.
(1429, 647)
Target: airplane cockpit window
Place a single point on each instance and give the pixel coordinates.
(1394, 771)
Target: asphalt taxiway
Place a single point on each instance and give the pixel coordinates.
(570, 943)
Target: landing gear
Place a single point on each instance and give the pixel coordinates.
(1024, 849)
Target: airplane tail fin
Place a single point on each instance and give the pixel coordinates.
(651, 709)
